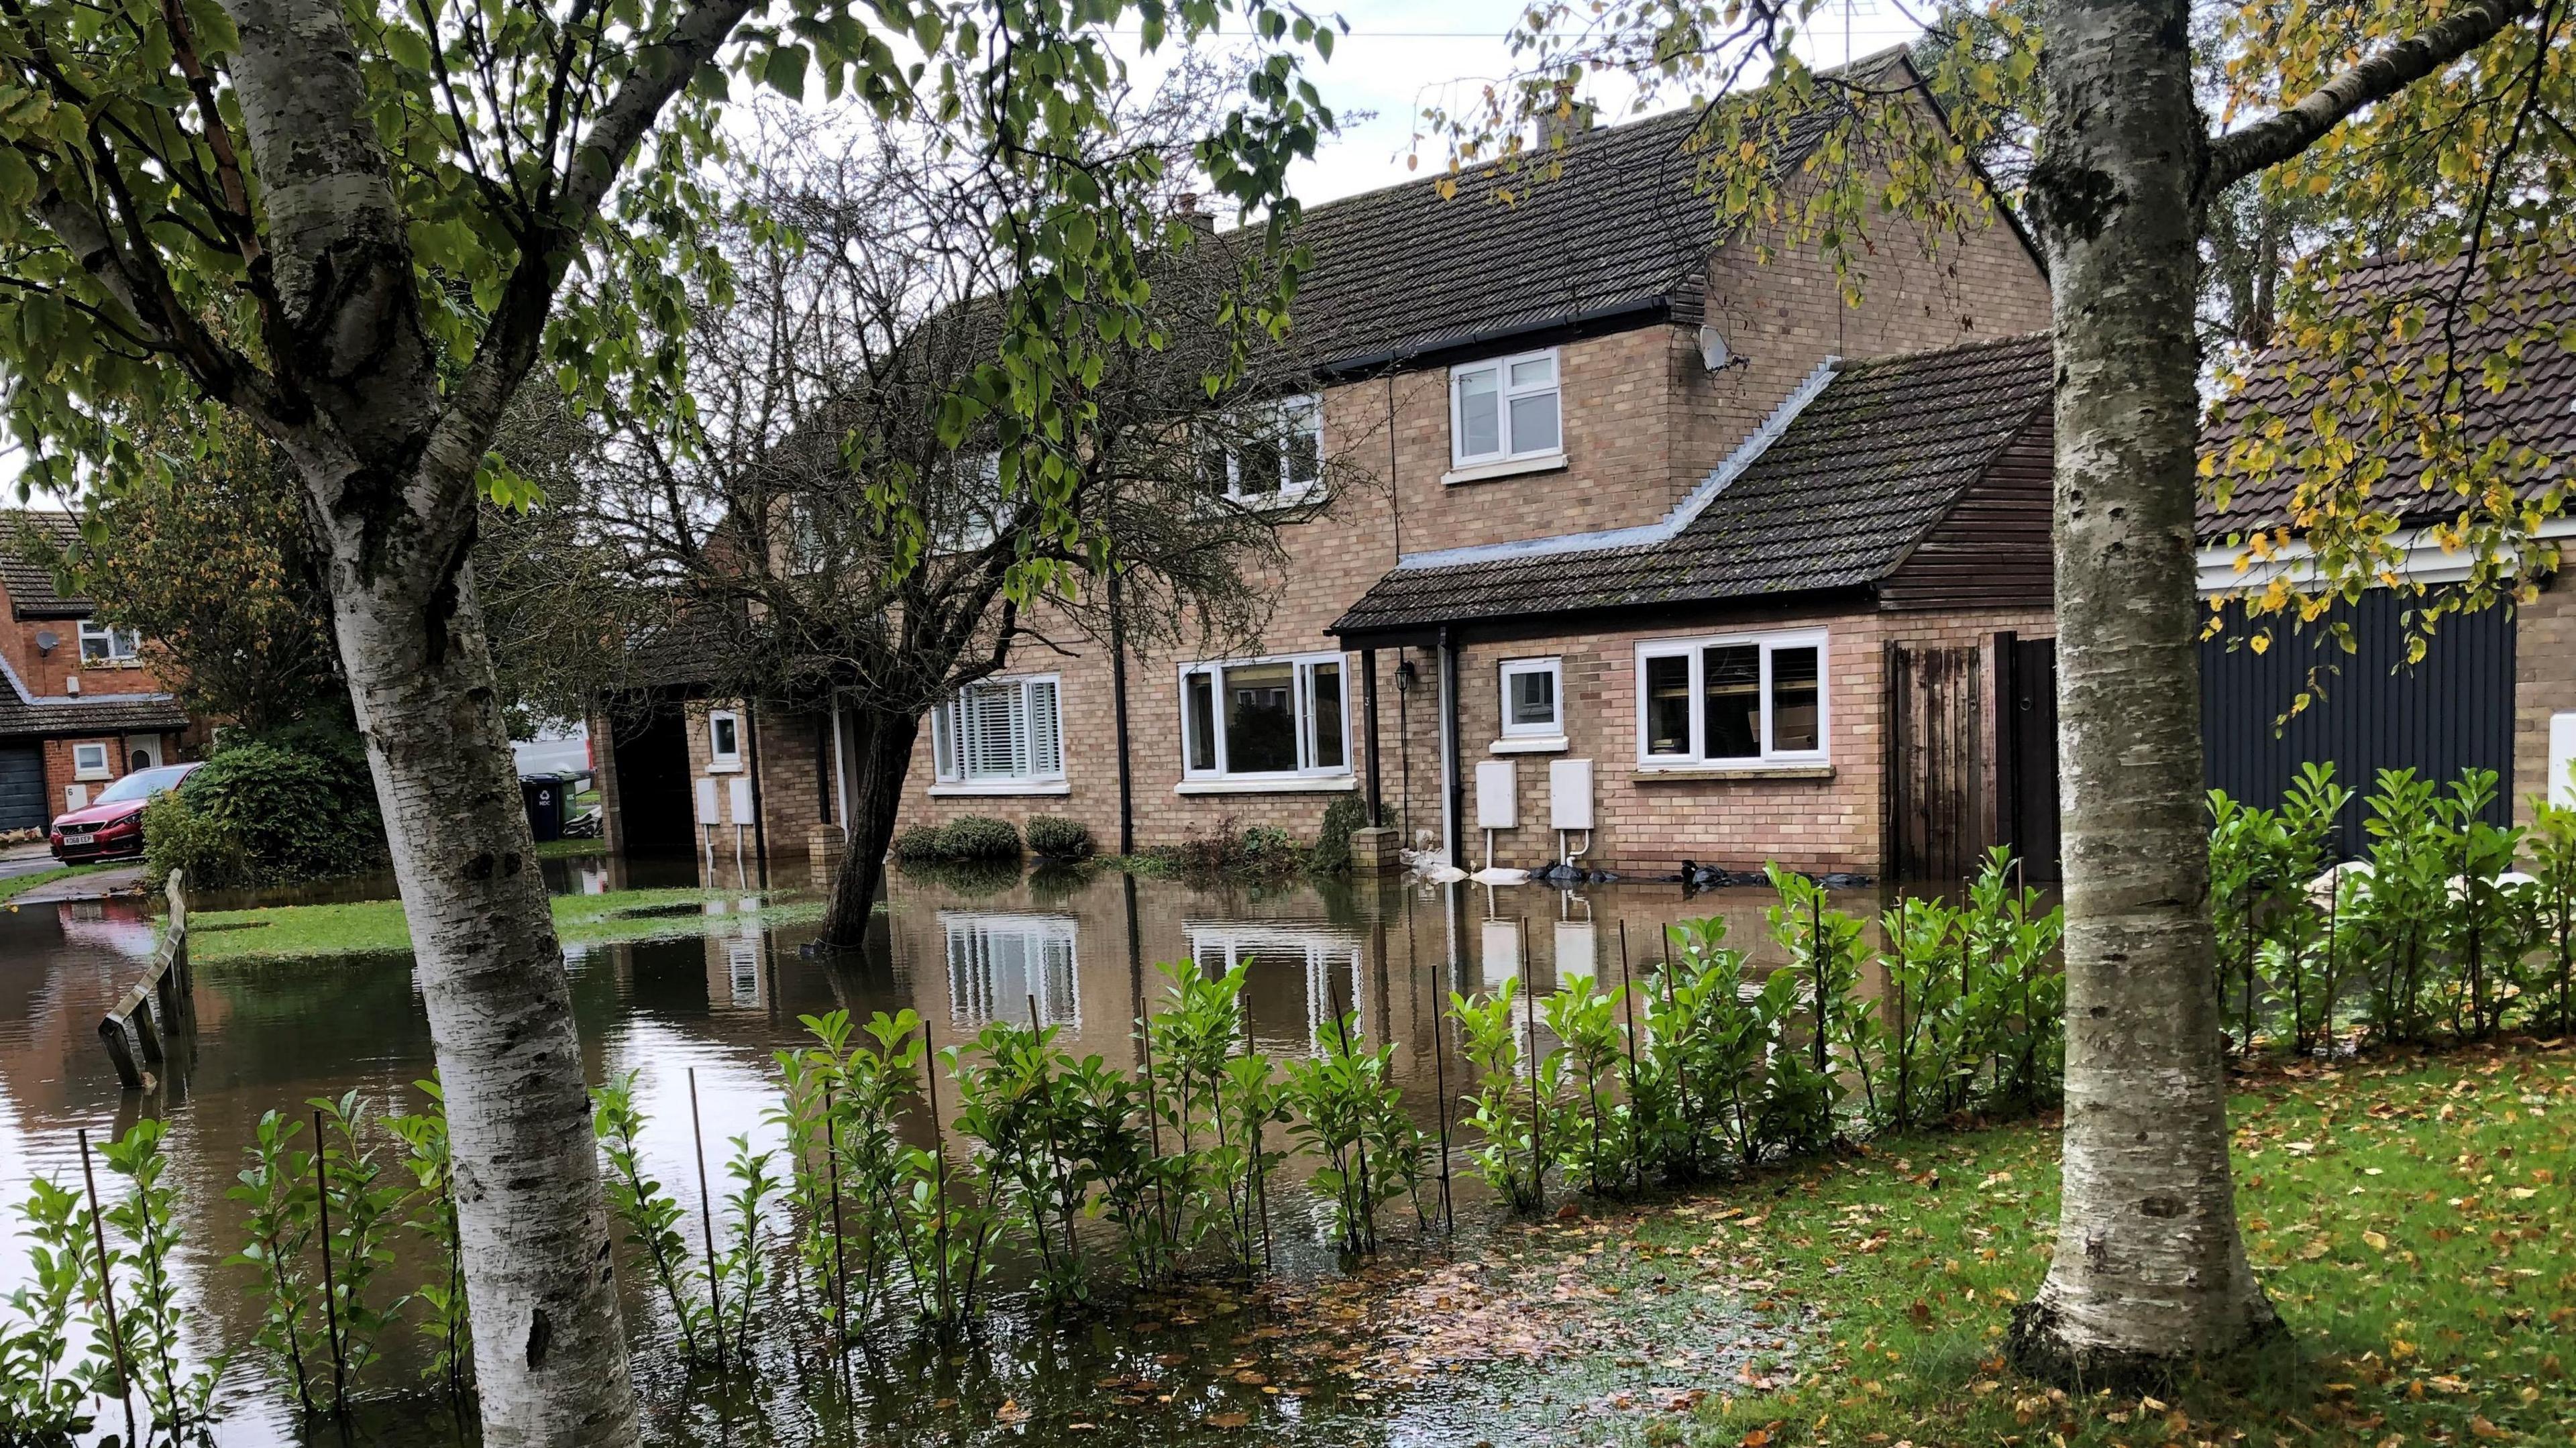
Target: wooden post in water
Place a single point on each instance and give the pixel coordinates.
(707, 1221)
(107, 1289)
(330, 1288)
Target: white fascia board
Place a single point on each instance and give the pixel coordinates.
(1673, 522)
(2422, 559)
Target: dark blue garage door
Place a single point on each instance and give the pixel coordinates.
(22, 787)
(2452, 710)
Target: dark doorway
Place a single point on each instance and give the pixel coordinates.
(22, 787)
(2026, 757)
(651, 757)
(2368, 711)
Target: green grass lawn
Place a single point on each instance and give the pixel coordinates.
(376, 927)
(2410, 1218)
(17, 885)
(571, 849)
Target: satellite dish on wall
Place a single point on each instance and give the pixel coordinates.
(47, 640)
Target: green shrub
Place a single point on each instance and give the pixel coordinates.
(917, 845)
(1332, 852)
(1053, 837)
(179, 836)
(979, 837)
(269, 811)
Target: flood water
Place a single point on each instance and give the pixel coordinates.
(1078, 949)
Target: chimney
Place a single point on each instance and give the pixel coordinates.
(1194, 216)
(1559, 124)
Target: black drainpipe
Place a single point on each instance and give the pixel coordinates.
(759, 808)
(1376, 780)
(1118, 696)
(1455, 785)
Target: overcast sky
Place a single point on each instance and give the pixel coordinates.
(1404, 55)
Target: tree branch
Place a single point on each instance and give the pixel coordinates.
(2284, 134)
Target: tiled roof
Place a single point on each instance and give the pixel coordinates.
(1623, 227)
(1835, 500)
(32, 590)
(2536, 410)
(23, 715)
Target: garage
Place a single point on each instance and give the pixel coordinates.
(22, 788)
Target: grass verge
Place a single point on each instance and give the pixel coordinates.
(376, 927)
(17, 885)
(2410, 1218)
(571, 849)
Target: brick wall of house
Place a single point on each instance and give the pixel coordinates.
(2544, 663)
(1643, 423)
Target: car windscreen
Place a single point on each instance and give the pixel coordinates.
(143, 783)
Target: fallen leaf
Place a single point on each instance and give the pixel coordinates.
(1227, 1420)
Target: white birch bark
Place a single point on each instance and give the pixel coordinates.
(2149, 1268)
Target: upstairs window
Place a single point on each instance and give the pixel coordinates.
(1532, 699)
(102, 644)
(1505, 410)
(1740, 701)
(1274, 457)
(1000, 731)
(1276, 718)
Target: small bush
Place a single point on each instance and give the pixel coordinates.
(917, 845)
(1053, 837)
(1234, 849)
(979, 837)
(270, 811)
(1332, 852)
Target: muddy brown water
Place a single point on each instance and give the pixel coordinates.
(719, 997)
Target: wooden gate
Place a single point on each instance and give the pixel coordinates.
(1936, 761)
(1972, 757)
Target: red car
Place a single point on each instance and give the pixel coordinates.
(111, 827)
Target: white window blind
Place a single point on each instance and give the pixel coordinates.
(1000, 731)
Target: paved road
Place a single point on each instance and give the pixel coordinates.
(96, 885)
(24, 859)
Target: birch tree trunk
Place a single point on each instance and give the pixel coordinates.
(2149, 1269)
(549, 1349)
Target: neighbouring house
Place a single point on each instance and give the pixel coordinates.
(82, 702)
(1739, 570)
(2496, 688)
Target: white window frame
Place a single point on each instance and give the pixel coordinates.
(1301, 694)
(1300, 415)
(1554, 668)
(105, 768)
(1695, 649)
(119, 645)
(1046, 948)
(720, 760)
(1463, 461)
(1034, 771)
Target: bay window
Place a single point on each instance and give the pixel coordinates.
(1505, 410)
(1737, 701)
(1278, 718)
(1000, 732)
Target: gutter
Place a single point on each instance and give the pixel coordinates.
(2232, 568)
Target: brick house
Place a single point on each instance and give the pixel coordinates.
(1550, 399)
(82, 702)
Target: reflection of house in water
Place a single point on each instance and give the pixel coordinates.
(1001, 965)
(118, 926)
(1296, 973)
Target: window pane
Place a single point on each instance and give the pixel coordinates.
(1534, 423)
(1668, 704)
(726, 745)
(1479, 420)
(997, 732)
(943, 740)
(1532, 371)
(93, 642)
(1260, 719)
(1198, 709)
(1046, 734)
(1533, 698)
(1305, 444)
(1324, 706)
(1793, 698)
(1733, 683)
